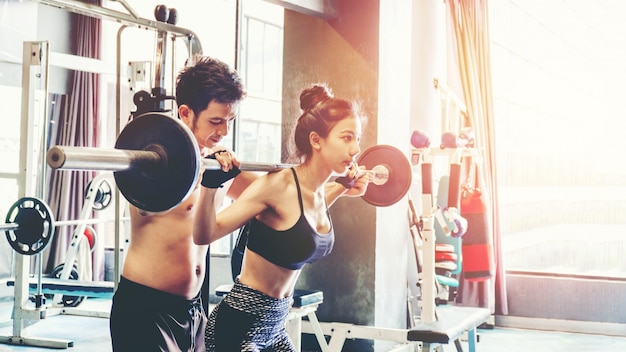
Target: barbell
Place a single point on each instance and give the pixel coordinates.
(30, 224)
(156, 164)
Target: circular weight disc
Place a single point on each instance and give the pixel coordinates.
(103, 195)
(400, 174)
(67, 301)
(161, 190)
(35, 225)
(91, 237)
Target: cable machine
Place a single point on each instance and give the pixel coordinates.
(37, 59)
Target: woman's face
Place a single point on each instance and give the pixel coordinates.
(341, 147)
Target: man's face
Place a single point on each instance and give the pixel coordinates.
(211, 124)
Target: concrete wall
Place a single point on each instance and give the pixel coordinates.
(347, 59)
(364, 279)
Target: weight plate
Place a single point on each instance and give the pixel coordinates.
(35, 225)
(400, 174)
(67, 301)
(103, 195)
(163, 188)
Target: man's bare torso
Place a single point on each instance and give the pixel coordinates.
(162, 254)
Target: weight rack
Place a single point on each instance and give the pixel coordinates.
(34, 106)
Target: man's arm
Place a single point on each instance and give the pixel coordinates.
(204, 219)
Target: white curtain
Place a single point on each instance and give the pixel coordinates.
(471, 27)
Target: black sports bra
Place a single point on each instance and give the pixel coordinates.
(294, 247)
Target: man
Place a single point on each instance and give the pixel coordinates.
(157, 305)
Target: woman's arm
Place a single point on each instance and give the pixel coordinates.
(335, 190)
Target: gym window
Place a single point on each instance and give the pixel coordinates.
(256, 136)
(559, 132)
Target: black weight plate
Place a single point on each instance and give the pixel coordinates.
(103, 195)
(159, 190)
(67, 301)
(400, 174)
(35, 225)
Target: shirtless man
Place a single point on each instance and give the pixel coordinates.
(157, 305)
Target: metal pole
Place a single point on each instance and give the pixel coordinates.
(10, 226)
(126, 19)
(89, 158)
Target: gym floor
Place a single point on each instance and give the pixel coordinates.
(91, 334)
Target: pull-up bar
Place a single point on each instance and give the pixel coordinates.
(129, 19)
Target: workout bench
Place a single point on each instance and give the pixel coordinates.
(453, 322)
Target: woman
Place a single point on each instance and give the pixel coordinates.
(288, 221)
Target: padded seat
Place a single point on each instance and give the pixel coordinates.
(101, 289)
(446, 256)
(447, 266)
(453, 321)
(444, 247)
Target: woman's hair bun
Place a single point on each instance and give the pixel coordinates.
(314, 95)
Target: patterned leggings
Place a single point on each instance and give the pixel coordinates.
(249, 321)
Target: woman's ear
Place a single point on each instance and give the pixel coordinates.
(314, 139)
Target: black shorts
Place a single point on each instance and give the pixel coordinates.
(146, 319)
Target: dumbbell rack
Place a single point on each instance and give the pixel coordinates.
(452, 321)
(430, 214)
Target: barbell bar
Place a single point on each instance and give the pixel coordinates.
(90, 158)
(156, 164)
